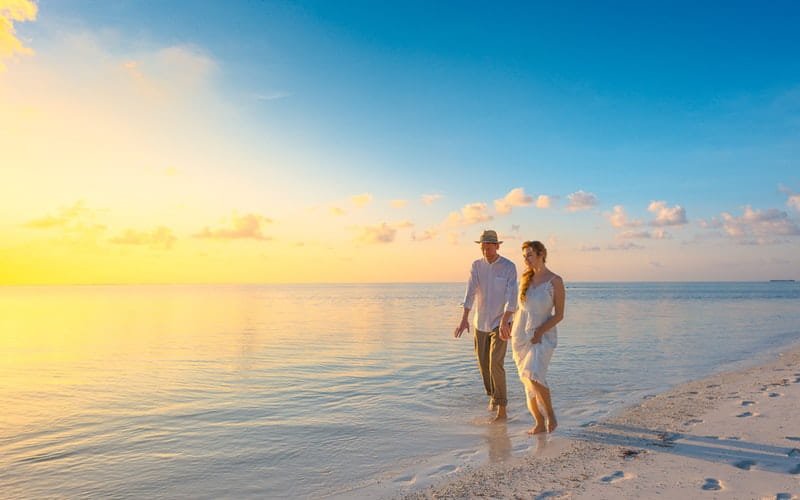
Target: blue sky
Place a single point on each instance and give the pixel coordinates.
(693, 104)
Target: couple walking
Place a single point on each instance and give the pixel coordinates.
(528, 316)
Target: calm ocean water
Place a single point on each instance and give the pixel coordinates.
(310, 390)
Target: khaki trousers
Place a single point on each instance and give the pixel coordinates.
(490, 350)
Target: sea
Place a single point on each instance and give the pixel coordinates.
(326, 390)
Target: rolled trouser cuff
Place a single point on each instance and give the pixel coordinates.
(499, 402)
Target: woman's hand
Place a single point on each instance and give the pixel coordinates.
(537, 336)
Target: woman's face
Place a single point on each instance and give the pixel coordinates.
(530, 256)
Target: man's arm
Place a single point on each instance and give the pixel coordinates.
(510, 304)
(469, 299)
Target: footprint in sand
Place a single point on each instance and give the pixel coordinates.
(748, 403)
(744, 464)
(746, 414)
(712, 484)
(794, 452)
(783, 496)
(549, 494)
(445, 469)
(795, 470)
(407, 479)
(793, 438)
(615, 477)
(774, 394)
(693, 421)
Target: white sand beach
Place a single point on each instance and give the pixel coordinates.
(731, 435)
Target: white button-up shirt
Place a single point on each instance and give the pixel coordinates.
(492, 289)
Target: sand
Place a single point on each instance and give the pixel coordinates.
(731, 435)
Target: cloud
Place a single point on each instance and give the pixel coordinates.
(544, 201)
(10, 12)
(430, 199)
(471, 213)
(619, 219)
(336, 211)
(625, 246)
(586, 248)
(170, 72)
(515, 198)
(658, 234)
(160, 237)
(272, 96)
(383, 232)
(66, 216)
(667, 216)
(760, 227)
(248, 226)
(398, 203)
(793, 199)
(627, 235)
(425, 235)
(361, 200)
(581, 200)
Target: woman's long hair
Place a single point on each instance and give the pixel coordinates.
(527, 276)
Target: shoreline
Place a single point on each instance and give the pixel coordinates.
(734, 434)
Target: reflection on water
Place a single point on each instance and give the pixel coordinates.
(207, 391)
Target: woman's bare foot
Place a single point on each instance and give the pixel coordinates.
(492, 406)
(537, 429)
(551, 423)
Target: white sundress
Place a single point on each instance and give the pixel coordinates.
(532, 360)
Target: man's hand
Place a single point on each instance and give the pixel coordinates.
(505, 330)
(464, 325)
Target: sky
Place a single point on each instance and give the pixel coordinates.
(280, 142)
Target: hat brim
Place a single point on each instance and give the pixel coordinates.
(487, 241)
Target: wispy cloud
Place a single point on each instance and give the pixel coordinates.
(66, 215)
(272, 96)
(430, 199)
(336, 211)
(398, 203)
(625, 246)
(658, 234)
(667, 216)
(581, 200)
(361, 200)
(515, 198)
(248, 226)
(160, 237)
(588, 248)
(12, 11)
(425, 235)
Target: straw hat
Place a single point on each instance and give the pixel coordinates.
(489, 236)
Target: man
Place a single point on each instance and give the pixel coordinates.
(493, 282)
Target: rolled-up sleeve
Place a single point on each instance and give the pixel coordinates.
(472, 286)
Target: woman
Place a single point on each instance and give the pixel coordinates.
(534, 334)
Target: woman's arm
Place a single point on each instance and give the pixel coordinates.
(559, 297)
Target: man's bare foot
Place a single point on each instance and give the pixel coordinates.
(501, 414)
(551, 424)
(537, 429)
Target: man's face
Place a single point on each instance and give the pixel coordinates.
(489, 250)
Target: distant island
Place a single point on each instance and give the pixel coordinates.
(781, 281)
